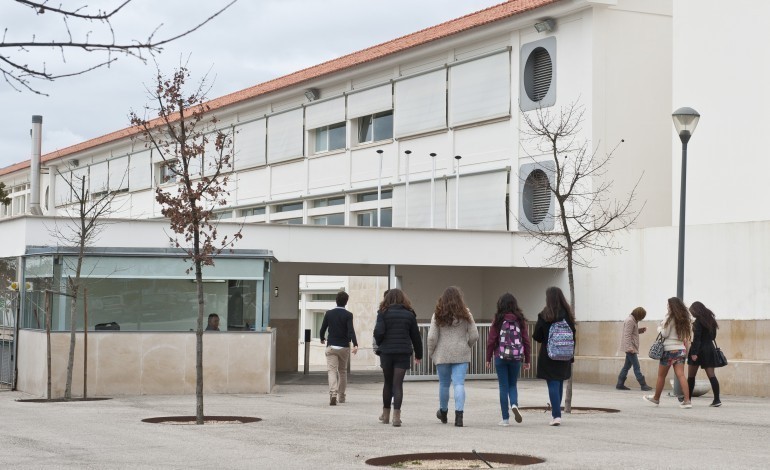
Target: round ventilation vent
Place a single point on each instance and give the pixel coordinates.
(538, 74)
(536, 197)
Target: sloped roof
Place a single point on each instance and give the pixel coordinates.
(403, 43)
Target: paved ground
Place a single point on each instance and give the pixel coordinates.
(300, 430)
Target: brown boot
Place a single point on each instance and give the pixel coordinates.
(397, 418)
(385, 416)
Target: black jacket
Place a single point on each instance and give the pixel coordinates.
(340, 324)
(547, 368)
(396, 332)
(702, 346)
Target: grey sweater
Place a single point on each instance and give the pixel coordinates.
(452, 344)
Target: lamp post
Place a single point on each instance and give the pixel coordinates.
(457, 193)
(685, 122)
(432, 186)
(406, 190)
(379, 189)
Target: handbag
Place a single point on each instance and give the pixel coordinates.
(656, 350)
(719, 357)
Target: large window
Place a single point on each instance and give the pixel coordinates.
(372, 196)
(250, 211)
(369, 218)
(375, 127)
(331, 201)
(329, 219)
(329, 138)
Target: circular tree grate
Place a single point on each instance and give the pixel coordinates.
(454, 460)
(187, 420)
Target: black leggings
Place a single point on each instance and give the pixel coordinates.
(393, 370)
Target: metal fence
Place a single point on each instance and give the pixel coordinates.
(477, 368)
(8, 310)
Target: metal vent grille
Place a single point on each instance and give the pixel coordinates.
(542, 73)
(537, 196)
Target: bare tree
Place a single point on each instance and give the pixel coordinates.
(86, 218)
(586, 218)
(196, 154)
(15, 55)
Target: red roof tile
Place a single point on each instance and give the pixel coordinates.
(433, 33)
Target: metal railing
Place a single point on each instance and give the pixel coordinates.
(477, 368)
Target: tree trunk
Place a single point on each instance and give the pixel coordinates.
(74, 290)
(571, 280)
(199, 336)
(48, 342)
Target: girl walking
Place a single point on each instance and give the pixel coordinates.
(508, 341)
(397, 336)
(554, 372)
(702, 351)
(676, 331)
(451, 336)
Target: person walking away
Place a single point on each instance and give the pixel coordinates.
(339, 322)
(551, 331)
(397, 336)
(508, 341)
(451, 336)
(676, 331)
(702, 352)
(629, 343)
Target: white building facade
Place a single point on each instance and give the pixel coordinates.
(349, 168)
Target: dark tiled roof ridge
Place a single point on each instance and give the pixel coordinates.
(448, 28)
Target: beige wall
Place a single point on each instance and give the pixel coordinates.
(746, 343)
(134, 363)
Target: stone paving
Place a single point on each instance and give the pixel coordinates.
(300, 430)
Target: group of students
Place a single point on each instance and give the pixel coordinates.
(679, 333)
(451, 337)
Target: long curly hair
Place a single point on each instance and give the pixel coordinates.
(705, 316)
(554, 302)
(507, 303)
(680, 317)
(395, 297)
(450, 307)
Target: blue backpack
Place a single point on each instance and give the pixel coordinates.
(561, 341)
(511, 347)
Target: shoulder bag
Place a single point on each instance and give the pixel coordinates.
(719, 357)
(656, 350)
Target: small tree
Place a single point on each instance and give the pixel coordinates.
(197, 156)
(19, 68)
(85, 220)
(586, 220)
(4, 199)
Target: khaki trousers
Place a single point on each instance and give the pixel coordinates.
(337, 365)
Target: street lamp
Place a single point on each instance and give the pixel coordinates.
(685, 122)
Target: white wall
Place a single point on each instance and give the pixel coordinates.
(721, 70)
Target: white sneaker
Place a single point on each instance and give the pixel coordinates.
(651, 399)
(555, 421)
(685, 404)
(504, 423)
(516, 413)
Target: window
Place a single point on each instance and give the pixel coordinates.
(369, 218)
(324, 297)
(292, 206)
(329, 138)
(329, 219)
(318, 318)
(248, 212)
(332, 201)
(375, 127)
(538, 60)
(364, 197)
(294, 221)
(223, 215)
(167, 171)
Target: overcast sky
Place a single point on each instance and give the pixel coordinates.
(252, 42)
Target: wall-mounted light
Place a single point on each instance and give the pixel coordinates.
(275, 291)
(545, 26)
(312, 94)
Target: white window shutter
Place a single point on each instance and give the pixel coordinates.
(118, 179)
(482, 201)
(373, 100)
(325, 113)
(420, 104)
(98, 177)
(249, 144)
(63, 192)
(480, 90)
(284, 136)
(140, 172)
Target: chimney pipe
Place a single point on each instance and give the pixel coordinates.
(34, 177)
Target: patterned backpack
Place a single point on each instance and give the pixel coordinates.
(511, 347)
(561, 341)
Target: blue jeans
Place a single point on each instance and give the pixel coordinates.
(454, 373)
(555, 392)
(631, 361)
(507, 375)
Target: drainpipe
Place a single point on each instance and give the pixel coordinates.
(34, 177)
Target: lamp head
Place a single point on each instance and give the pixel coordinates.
(685, 122)
(545, 26)
(312, 94)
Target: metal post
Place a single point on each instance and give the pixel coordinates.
(48, 309)
(307, 352)
(406, 191)
(457, 192)
(379, 189)
(85, 342)
(432, 187)
(682, 196)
